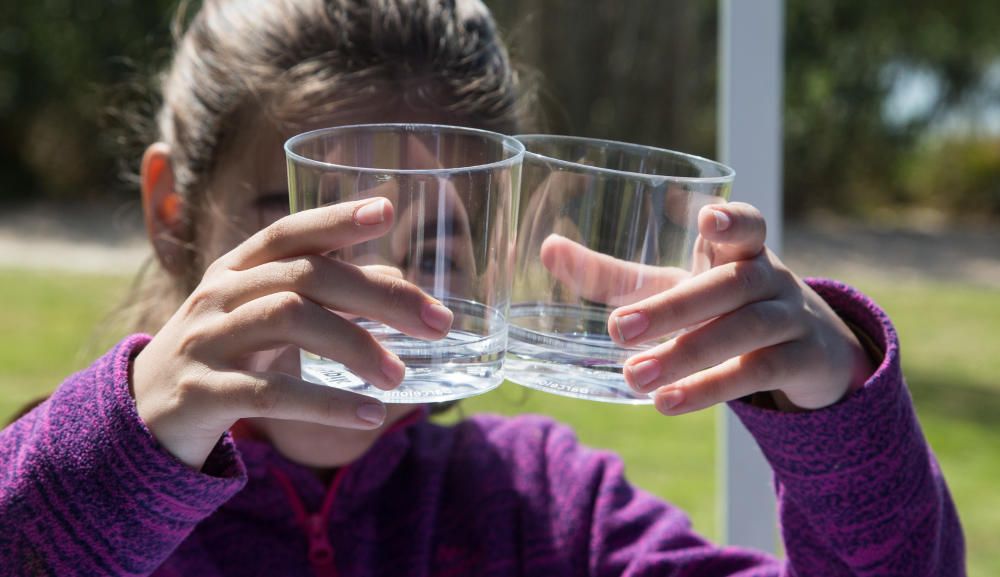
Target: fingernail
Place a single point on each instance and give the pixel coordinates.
(644, 373)
(631, 325)
(670, 398)
(373, 413)
(436, 316)
(393, 368)
(371, 213)
(722, 220)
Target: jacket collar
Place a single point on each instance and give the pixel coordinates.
(362, 478)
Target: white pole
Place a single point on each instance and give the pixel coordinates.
(750, 97)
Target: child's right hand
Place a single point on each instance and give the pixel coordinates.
(195, 379)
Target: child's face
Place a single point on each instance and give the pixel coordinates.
(248, 191)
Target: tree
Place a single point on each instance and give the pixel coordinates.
(62, 63)
(842, 59)
(636, 70)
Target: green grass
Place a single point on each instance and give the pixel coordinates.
(951, 356)
(49, 325)
(950, 347)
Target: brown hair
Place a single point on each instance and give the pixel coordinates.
(295, 60)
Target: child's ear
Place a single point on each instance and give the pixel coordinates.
(163, 207)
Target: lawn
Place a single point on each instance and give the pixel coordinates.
(951, 355)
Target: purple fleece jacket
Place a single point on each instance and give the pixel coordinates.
(86, 490)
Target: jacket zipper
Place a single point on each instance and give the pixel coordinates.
(314, 525)
(320, 550)
(321, 554)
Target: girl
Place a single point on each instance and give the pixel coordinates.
(198, 451)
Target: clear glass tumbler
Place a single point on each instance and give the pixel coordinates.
(454, 194)
(602, 224)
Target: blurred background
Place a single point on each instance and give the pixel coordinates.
(891, 183)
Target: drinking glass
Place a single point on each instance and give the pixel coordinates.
(453, 236)
(602, 224)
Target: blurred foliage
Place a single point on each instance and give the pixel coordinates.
(843, 58)
(955, 175)
(63, 64)
(642, 71)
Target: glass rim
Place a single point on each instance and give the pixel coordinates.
(508, 142)
(728, 176)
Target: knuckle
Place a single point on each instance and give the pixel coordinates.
(303, 270)
(688, 352)
(194, 339)
(713, 391)
(209, 294)
(332, 408)
(283, 311)
(367, 349)
(396, 292)
(203, 297)
(191, 388)
(215, 268)
(707, 392)
(750, 276)
(766, 369)
(789, 284)
(763, 319)
(670, 307)
(275, 233)
(781, 316)
(339, 214)
(289, 303)
(263, 398)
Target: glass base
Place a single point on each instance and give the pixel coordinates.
(574, 382)
(565, 350)
(463, 364)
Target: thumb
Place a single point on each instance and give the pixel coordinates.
(731, 232)
(602, 278)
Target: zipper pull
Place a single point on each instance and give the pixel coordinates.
(320, 550)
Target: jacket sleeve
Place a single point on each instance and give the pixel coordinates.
(85, 489)
(605, 527)
(860, 493)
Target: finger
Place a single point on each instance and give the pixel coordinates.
(281, 396)
(288, 318)
(602, 278)
(755, 326)
(346, 288)
(736, 231)
(314, 231)
(379, 268)
(384, 269)
(765, 369)
(713, 293)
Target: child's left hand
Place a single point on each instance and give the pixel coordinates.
(747, 324)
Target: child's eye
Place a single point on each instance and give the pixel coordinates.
(426, 262)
